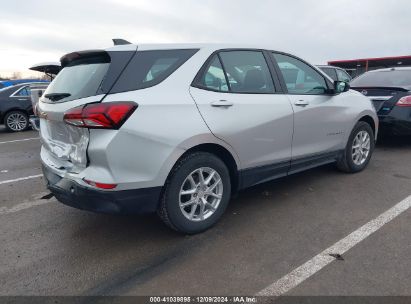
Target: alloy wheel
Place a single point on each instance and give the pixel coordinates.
(201, 194)
(361, 148)
(16, 122)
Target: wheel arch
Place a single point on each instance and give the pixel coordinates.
(369, 120)
(221, 152)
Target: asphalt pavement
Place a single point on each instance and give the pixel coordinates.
(47, 248)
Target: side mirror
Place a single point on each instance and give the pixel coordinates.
(341, 86)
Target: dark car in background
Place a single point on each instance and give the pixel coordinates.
(16, 107)
(336, 73)
(9, 83)
(390, 91)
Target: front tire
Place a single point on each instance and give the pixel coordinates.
(359, 149)
(196, 194)
(16, 121)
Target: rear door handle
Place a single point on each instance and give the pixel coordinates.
(222, 103)
(301, 103)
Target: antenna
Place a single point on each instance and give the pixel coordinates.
(118, 41)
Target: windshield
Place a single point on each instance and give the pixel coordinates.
(393, 78)
(77, 81)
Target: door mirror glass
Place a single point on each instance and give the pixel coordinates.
(341, 86)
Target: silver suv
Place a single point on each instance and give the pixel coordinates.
(177, 129)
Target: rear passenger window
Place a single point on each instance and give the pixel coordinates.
(149, 68)
(247, 72)
(299, 77)
(214, 78)
(237, 72)
(160, 66)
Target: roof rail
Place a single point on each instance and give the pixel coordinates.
(118, 41)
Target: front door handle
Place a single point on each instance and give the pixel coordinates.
(301, 103)
(222, 103)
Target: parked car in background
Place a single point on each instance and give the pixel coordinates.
(390, 91)
(8, 83)
(178, 128)
(51, 69)
(16, 107)
(37, 90)
(336, 73)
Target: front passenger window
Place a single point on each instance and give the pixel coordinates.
(299, 77)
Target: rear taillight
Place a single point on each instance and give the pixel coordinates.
(404, 101)
(108, 115)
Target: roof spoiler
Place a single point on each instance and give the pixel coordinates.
(118, 41)
(88, 54)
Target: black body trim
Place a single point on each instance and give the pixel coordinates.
(305, 163)
(70, 193)
(257, 175)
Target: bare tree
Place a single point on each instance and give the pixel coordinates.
(16, 75)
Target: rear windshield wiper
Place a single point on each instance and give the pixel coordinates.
(57, 96)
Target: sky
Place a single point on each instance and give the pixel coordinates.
(33, 31)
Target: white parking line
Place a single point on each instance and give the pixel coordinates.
(20, 179)
(303, 272)
(37, 201)
(22, 206)
(17, 140)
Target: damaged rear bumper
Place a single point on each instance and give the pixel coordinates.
(69, 192)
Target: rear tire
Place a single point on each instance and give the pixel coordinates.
(16, 121)
(359, 149)
(190, 203)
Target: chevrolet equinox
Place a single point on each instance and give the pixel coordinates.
(177, 129)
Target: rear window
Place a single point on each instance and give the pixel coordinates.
(82, 76)
(77, 81)
(393, 78)
(149, 68)
(98, 72)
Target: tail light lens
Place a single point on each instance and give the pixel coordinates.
(404, 101)
(108, 115)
